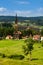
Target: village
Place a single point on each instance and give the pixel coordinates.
(21, 32)
(18, 34)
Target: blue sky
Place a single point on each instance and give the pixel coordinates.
(25, 8)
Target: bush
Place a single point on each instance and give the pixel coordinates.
(19, 57)
(42, 43)
(34, 59)
(2, 55)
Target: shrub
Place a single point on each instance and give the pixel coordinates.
(2, 55)
(19, 57)
(42, 43)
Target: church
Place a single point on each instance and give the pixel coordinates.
(17, 33)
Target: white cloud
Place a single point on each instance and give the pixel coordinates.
(19, 13)
(23, 2)
(37, 12)
(23, 13)
(2, 9)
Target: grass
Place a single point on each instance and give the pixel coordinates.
(11, 47)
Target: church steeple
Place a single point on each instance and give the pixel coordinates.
(16, 24)
(17, 33)
(16, 20)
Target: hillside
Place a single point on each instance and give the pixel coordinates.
(9, 48)
(36, 20)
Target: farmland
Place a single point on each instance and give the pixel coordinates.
(14, 47)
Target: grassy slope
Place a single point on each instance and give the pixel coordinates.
(9, 47)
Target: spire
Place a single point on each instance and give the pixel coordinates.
(16, 20)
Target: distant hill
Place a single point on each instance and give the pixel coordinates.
(36, 20)
(12, 18)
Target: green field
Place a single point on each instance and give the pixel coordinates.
(12, 47)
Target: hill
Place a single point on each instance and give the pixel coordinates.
(36, 20)
(11, 47)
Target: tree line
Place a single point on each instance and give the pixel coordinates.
(8, 29)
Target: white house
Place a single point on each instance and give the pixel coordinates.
(42, 38)
(9, 37)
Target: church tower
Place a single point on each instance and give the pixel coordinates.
(16, 24)
(16, 20)
(17, 33)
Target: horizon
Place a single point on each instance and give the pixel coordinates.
(18, 16)
(23, 8)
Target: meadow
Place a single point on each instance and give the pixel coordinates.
(14, 47)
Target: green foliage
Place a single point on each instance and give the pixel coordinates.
(12, 47)
(42, 43)
(28, 46)
(4, 31)
(17, 57)
(27, 32)
(25, 49)
(41, 32)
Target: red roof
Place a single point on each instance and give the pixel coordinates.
(36, 37)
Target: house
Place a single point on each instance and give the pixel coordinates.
(9, 37)
(42, 38)
(36, 37)
(17, 34)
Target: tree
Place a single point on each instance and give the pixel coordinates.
(27, 32)
(42, 43)
(42, 32)
(28, 47)
(4, 31)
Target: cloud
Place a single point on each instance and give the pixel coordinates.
(37, 12)
(40, 9)
(23, 2)
(2, 9)
(22, 13)
(19, 13)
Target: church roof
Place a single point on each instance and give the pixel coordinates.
(18, 32)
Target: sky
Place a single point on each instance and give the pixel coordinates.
(25, 8)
